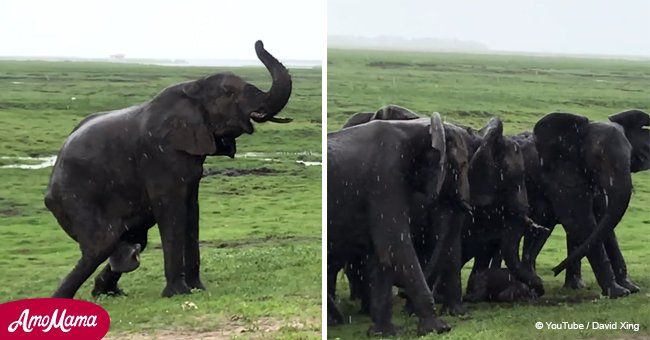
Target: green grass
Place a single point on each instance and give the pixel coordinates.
(469, 89)
(260, 234)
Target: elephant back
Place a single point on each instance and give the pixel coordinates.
(559, 136)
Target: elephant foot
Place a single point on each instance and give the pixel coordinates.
(384, 330)
(176, 288)
(453, 310)
(574, 283)
(195, 284)
(629, 285)
(109, 291)
(430, 324)
(615, 291)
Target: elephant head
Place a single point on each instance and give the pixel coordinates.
(634, 123)
(456, 180)
(575, 152)
(388, 112)
(204, 116)
(496, 171)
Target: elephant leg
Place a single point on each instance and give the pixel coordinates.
(573, 276)
(353, 271)
(481, 264)
(381, 278)
(618, 263)
(334, 315)
(576, 215)
(106, 281)
(509, 246)
(96, 244)
(192, 254)
(333, 268)
(394, 249)
(449, 277)
(534, 241)
(450, 280)
(171, 215)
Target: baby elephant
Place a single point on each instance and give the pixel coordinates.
(496, 285)
(125, 258)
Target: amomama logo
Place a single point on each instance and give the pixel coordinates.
(53, 319)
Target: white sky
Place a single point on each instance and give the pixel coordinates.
(613, 27)
(189, 29)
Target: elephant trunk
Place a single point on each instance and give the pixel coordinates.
(617, 200)
(277, 97)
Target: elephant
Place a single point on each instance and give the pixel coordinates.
(499, 204)
(497, 195)
(497, 285)
(388, 112)
(120, 172)
(573, 187)
(371, 169)
(434, 229)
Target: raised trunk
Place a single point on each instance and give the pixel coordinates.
(278, 96)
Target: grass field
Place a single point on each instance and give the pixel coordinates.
(260, 232)
(469, 89)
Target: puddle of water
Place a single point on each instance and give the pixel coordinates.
(307, 163)
(44, 162)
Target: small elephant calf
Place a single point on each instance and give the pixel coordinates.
(497, 285)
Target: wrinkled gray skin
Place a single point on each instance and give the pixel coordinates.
(497, 285)
(371, 169)
(388, 112)
(499, 203)
(121, 172)
(435, 228)
(574, 188)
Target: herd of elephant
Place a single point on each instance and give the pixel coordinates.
(412, 199)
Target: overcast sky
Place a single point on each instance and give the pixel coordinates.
(190, 29)
(612, 27)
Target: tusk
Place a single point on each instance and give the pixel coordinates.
(280, 120)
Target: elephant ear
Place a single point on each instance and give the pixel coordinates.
(185, 127)
(634, 123)
(394, 112)
(559, 136)
(437, 131)
(358, 119)
(484, 166)
(631, 119)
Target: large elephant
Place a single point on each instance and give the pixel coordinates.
(371, 170)
(435, 229)
(582, 185)
(120, 172)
